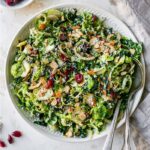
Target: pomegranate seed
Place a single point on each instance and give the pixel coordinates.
(79, 78)
(10, 139)
(50, 83)
(2, 143)
(63, 57)
(63, 37)
(17, 133)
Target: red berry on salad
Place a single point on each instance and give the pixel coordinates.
(79, 78)
(63, 57)
(50, 83)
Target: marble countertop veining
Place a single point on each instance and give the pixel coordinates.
(10, 22)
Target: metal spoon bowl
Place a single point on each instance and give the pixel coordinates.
(138, 84)
(135, 87)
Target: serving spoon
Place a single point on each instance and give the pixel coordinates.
(110, 136)
(136, 86)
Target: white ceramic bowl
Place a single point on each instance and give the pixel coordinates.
(23, 33)
(22, 4)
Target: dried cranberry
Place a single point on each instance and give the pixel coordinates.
(63, 37)
(17, 133)
(50, 83)
(10, 139)
(79, 78)
(63, 29)
(94, 18)
(2, 143)
(63, 57)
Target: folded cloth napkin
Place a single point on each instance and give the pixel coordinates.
(136, 14)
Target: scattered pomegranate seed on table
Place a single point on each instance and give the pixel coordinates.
(17, 133)
(10, 139)
(2, 143)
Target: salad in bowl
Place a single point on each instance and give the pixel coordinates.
(71, 70)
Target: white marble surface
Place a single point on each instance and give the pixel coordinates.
(10, 22)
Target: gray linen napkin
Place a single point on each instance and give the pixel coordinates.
(136, 14)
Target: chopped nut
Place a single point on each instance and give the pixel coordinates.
(82, 116)
(53, 65)
(36, 85)
(107, 98)
(77, 33)
(90, 100)
(96, 45)
(93, 40)
(67, 89)
(54, 102)
(68, 44)
(75, 27)
(69, 132)
(70, 110)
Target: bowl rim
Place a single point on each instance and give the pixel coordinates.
(65, 139)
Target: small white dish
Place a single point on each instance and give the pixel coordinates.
(19, 5)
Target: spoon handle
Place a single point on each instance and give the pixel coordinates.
(110, 136)
(127, 136)
(126, 145)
